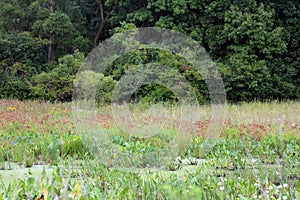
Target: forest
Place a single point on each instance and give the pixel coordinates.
(255, 45)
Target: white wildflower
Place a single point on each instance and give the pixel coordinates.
(270, 187)
(279, 186)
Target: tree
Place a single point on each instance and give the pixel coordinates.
(12, 17)
(285, 68)
(252, 41)
(59, 28)
(21, 56)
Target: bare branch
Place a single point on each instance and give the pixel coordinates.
(103, 20)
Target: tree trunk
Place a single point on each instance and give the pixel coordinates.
(51, 2)
(103, 21)
(50, 48)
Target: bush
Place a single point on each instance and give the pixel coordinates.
(15, 78)
(57, 85)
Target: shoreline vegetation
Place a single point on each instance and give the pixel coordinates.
(256, 156)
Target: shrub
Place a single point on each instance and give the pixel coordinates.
(57, 85)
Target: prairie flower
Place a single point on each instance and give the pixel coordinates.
(11, 108)
(44, 195)
(77, 190)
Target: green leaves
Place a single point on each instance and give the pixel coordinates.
(58, 25)
(255, 28)
(20, 56)
(58, 83)
(248, 40)
(253, 40)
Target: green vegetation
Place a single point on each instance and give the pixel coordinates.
(256, 157)
(45, 151)
(255, 45)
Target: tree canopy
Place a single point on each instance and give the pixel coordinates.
(255, 45)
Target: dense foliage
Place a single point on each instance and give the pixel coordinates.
(256, 157)
(255, 44)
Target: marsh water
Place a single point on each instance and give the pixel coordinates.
(275, 172)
